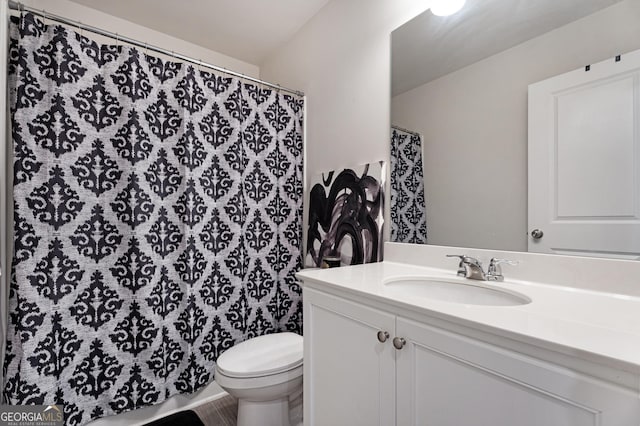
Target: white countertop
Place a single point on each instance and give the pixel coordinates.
(597, 326)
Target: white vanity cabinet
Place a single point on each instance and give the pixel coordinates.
(441, 377)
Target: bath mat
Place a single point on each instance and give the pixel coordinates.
(181, 418)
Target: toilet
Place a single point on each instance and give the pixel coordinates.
(264, 373)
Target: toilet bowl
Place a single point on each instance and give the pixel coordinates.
(264, 373)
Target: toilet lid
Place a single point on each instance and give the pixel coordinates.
(261, 356)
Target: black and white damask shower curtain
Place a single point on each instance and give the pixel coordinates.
(408, 209)
(157, 222)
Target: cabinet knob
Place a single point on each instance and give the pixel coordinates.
(383, 336)
(399, 342)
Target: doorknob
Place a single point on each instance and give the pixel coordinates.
(537, 234)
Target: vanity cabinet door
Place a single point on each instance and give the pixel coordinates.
(445, 379)
(349, 375)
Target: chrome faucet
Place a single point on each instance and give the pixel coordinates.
(470, 267)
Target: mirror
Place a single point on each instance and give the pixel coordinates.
(461, 83)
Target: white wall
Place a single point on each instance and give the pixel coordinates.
(341, 60)
(102, 20)
(474, 123)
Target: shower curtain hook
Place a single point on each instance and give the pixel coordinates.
(21, 22)
(81, 29)
(44, 17)
(243, 80)
(146, 48)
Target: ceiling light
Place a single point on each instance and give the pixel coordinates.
(446, 7)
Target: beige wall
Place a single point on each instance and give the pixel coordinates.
(474, 123)
(108, 22)
(341, 60)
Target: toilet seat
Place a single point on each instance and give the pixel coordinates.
(268, 355)
(229, 382)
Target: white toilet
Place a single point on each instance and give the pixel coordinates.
(264, 373)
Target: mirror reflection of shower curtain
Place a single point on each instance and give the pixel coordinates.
(408, 209)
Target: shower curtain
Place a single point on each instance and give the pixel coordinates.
(408, 209)
(157, 221)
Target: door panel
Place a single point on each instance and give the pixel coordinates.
(349, 374)
(595, 151)
(446, 379)
(584, 161)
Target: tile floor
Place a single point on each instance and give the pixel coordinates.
(220, 412)
(223, 411)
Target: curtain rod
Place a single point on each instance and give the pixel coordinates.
(405, 130)
(14, 5)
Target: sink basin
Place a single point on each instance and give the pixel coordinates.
(456, 291)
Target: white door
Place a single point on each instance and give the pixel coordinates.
(584, 161)
(445, 379)
(349, 375)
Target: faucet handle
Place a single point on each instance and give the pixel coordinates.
(495, 261)
(461, 269)
(494, 272)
